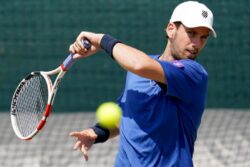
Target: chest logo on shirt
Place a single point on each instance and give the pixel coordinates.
(178, 64)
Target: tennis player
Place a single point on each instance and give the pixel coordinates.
(164, 96)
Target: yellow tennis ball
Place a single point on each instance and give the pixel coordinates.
(108, 114)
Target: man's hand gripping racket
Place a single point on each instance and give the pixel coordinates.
(34, 97)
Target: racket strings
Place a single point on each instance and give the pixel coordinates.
(31, 104)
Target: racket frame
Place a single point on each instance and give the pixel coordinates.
(52, 90)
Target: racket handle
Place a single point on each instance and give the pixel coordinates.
(69, 61)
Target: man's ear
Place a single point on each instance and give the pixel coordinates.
(170, 30)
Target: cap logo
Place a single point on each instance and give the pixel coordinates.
(204, 14)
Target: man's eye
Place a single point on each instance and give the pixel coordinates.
(190, 32)
(204, 37)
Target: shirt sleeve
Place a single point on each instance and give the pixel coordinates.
(185, 79)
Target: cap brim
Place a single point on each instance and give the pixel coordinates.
(202, 25)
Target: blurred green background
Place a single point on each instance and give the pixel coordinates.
(35, 35)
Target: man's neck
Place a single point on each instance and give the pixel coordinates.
(167, 55)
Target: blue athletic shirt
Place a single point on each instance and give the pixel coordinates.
(159, 121)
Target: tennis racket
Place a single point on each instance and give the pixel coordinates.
(33, 98)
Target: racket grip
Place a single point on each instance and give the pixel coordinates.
(69, 61)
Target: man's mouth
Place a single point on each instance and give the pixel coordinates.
(192, 51)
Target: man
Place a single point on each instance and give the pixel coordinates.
(164, 96)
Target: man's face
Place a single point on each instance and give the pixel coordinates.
(187, 43)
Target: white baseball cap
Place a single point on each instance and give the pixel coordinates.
(193, 14)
